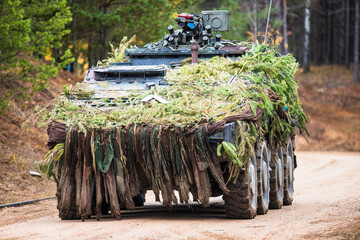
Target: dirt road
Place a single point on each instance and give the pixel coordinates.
(326, 206)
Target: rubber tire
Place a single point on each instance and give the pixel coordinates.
(276, 181)
(241, 202)
(289, 173)
(105, 209)
(263, 191)
(139, 200)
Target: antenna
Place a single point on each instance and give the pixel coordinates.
(267, 24)
(163, 21)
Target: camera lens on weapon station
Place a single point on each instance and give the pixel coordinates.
(171, 29)
(206, 40)
(208, 29)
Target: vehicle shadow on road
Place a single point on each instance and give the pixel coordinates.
(179, 212)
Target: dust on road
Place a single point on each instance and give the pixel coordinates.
(326, 206)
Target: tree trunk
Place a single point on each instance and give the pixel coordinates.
(341, 33)
(286, 42)
(328, 39)
(257, 20)
(356, 43)
(347, 33)
(307, 34)
(74, 63)
(91, 48)
(322, 36)
(104, 37)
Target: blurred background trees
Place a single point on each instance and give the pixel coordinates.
(98, 22)
(315, 31)
(37, 37)
(328, 25)
(29, 31)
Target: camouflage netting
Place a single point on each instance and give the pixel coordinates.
(105, 165)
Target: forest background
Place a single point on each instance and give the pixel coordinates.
(41, 36)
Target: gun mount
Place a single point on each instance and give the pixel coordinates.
(198, 27)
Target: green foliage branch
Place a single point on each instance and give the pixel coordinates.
(200, 91)
(204, 93)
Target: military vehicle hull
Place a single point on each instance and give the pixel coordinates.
(106, 170)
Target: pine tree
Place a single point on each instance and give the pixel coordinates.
(29, 31)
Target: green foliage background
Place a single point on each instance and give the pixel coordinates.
(67, 30)
(98, 22)
(28, 29)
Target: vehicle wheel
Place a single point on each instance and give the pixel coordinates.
(263, 179)
(105, 209)
(139, 200)
(276, 181)
(289, 173)
(241, 202)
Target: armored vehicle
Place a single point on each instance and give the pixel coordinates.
(91, 179)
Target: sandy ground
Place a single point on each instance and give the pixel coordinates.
(326, 206)
(21, 149)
